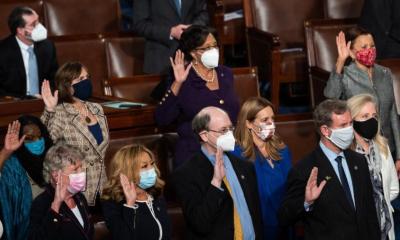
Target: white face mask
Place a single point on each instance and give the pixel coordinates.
(342, 137)
(39, 33)
(226, 142)
(265, 131)
(210, 58)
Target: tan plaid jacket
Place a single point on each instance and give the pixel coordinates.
(66, 124)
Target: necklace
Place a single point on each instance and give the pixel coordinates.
(203, 77)
(85, 113)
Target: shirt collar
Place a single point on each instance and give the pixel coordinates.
(331, 155)
(22, 45)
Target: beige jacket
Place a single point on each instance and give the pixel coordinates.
(66, 124)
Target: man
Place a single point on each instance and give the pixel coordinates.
(26, 58)
(162, 22)
(218, 191)
(335, 201)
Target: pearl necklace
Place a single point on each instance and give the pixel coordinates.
(203, 77)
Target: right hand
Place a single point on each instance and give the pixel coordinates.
(49, 99)
(178, 65)
(12, 141)
(129, 189)
(312, 189)
(219, 169)
(342, 47)
(176, 31)
(61, 192)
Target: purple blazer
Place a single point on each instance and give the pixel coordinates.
(193, 96)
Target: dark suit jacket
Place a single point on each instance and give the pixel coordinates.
(208, 211)
(47, 224)
(12, 70)
(331, 216)
(153, 20)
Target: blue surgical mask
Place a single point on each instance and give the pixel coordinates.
(83, 89)
(36, 147)
(147, 178)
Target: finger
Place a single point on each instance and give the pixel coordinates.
(348, 45)
(9, 129)
(188, 68)
(21, 140)
(172, 62)
(56, 94)
(312, 176)
(321, 186)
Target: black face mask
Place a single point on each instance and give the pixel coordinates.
(367, 129)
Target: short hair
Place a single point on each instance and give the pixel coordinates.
(355, 32)
(201, 122)
(64, 77)
(16, 20)
(59, 156)
(323, 112)
(193, 37)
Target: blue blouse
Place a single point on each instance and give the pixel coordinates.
(271, 187)
(96, 132)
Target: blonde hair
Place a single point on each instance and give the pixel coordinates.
(248, 112)
(127, 161)
(355, 104)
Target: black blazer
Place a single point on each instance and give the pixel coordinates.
(128, 223)
(47, 224)
(153, 19)
(208, 211)
(331, 216)
(12, 70)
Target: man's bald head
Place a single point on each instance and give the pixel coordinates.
(207, 117)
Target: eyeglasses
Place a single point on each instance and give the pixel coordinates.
(203, 49)
(223, 131)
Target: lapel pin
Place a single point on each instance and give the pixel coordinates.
(242, 176)
(355, 168)
(327, 178)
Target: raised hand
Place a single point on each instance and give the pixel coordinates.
(178, 65)
(61, 192)
(12, 141)
(312, 189)
(49, 99)
(219, 169)
(129, 190)
(342, 47)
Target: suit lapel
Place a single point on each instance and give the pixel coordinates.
(173, 5)
(68, 212)
(102, 120)
(185, 7)
(355, 177)
(19, 62)
(39, 62)
(326, 171)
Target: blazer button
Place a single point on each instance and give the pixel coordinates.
(91, 163)
(55, 220)
(86, 148)
(242, 177)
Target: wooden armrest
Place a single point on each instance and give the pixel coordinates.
(272, 39)
(318, 79)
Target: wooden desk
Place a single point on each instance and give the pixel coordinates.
(121, 122)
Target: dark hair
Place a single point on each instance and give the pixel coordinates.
(354, 33)
(200, 122)
(33, 164)
(193, 37)
(323, 112)
(63, 78)
(16, 20)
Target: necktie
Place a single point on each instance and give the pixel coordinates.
(33, 76)
(178, 6)
(343, 180)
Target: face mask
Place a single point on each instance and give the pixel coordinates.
(210, 58)
(366, 57)
(342, 137)
(77, 182)
(147, 178)
(39, 33)
(265, 131)
(226, 142)
(83, 89)
(367, 129)
(35, 147)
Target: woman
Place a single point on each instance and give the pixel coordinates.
(61, 211)
(21, 180)
(80, 123)
(369, 142)
(132, 206)
(364, 76)
(257, 142)
(199, 82)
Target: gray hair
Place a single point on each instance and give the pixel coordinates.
(323, 112)
(58, 157)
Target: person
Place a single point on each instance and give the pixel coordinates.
(363, 75)
(161, 23)
(382, 20)
(199, 82)
(330, 189)
(27, 56)
(218, 191)
(80, 123)
(258, 143)
(21, 179)
(61, 211)
(132, 196)
(369, 142)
